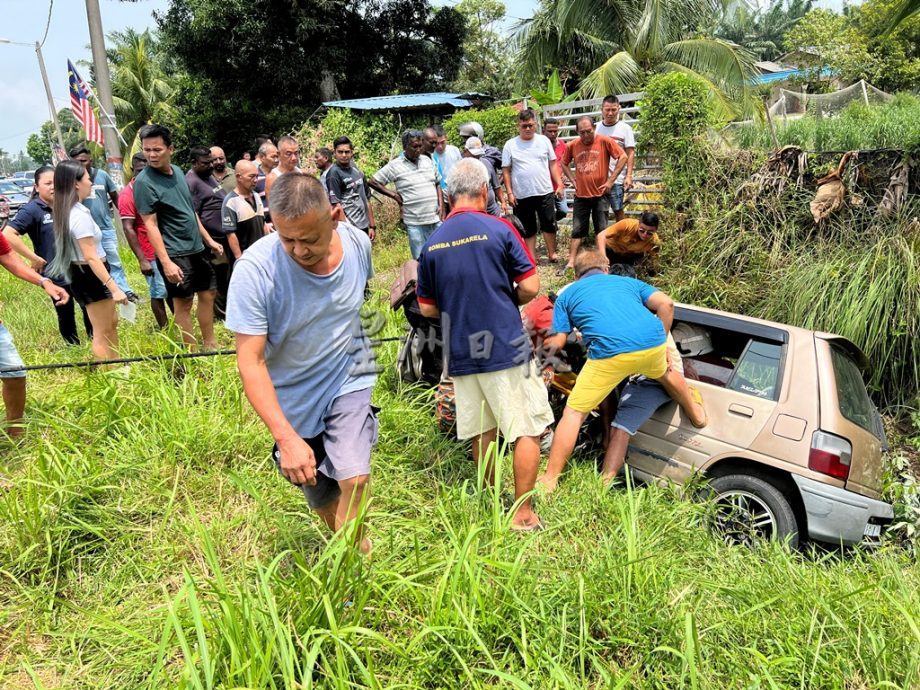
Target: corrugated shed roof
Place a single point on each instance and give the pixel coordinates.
(411, 101)
(768, 66)
(786, 74)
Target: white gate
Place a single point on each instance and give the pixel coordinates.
(647, 190)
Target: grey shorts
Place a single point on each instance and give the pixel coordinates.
(343, 450)
(639, 401)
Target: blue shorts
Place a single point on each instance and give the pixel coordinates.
(9, 357)
(615, 198)
(155, 283)
(343, 449)
(639, 401)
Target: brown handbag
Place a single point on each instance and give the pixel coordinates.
(404, 285)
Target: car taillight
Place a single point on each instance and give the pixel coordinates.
(830, 454)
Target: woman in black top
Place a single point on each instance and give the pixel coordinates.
(34, 220)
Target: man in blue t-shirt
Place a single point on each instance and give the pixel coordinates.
(624, 325)
(295, 303)
(474, 271)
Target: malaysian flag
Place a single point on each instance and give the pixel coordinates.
(57, 153)
(82, 110)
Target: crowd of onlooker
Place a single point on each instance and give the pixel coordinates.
(285, 257)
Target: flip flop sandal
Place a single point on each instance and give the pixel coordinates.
(538, 526)
(697, 397)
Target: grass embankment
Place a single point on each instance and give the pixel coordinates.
(149, 543)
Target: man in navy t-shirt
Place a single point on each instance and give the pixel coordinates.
(474, 272)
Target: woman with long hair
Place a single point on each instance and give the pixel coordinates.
(80, 259)
(34, 221)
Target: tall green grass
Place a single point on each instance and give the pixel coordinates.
(895, 124)
(148, 542)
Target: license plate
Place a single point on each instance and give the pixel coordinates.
(872, 531)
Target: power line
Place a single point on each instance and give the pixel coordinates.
(47, 24)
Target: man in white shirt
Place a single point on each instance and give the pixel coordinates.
(622, 133)
(532, 182)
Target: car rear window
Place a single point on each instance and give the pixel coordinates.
(757, 371)
(852, 397)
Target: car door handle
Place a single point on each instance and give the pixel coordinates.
(741, 410)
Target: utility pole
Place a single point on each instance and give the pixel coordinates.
(113, 159)
(41, 64)
(54, 118)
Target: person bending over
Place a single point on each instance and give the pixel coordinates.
(624, 323)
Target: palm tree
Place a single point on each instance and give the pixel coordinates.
(761, 31)
(614, 44)
(907, 10)
(141, 91)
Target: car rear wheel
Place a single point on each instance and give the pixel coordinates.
(746, 509)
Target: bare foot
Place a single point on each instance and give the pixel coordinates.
(699, 418)
(366, 546)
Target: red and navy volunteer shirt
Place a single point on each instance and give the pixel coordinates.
(468, 268)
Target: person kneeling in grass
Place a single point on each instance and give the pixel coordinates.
(295, 303)
(11, 373)
(624, 323)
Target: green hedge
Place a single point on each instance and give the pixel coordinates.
(376, 136)
(676, 113)
(499, 124)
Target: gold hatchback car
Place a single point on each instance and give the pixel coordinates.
(793, 445)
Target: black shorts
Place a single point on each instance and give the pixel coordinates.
(536, 213)
(198, 275)
(86, 287)
(593, 209)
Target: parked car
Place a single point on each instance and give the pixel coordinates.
(23, 183)
(27, 175)
(794, 444)
(15, 196)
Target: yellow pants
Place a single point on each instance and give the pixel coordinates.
(600, 376)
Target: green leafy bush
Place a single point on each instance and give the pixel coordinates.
(375, 137)
(676, 113)
(499, 124)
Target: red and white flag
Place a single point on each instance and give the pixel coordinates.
(80, 105)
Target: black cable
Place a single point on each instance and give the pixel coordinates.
(149, 358)
(47, 24)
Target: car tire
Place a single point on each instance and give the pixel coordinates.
(748, 509)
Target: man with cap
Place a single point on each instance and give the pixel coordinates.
(491, 155)
(473, 149)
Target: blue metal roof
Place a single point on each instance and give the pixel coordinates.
(787, 74)
(410, 101)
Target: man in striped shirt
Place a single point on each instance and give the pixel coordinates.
(418, 190)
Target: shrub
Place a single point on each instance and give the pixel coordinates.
(375, 137)
(499, 124)
(676, 113)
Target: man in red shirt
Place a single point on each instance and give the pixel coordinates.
(12, 374)
(133, 225)
(593, 178)
(551, 132)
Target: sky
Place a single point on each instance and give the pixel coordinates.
(23, 106)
